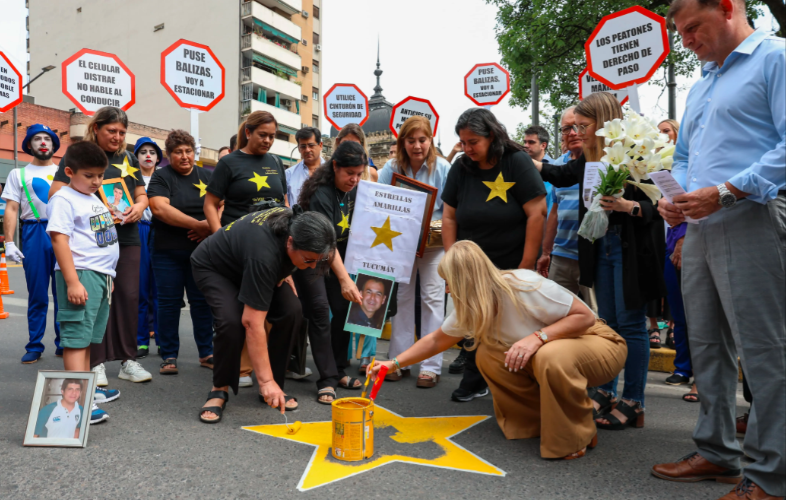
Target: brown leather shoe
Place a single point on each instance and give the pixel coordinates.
(748, 490)
(692, 468)
(742, 425)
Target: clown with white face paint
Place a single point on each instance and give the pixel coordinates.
(149, 156)
(27, 195)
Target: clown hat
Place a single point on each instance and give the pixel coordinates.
(147, 140)
(37, 129)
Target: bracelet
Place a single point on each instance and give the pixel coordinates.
(395, 361)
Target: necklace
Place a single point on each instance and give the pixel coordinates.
(342, 199)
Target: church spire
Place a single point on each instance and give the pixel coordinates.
(378, 73)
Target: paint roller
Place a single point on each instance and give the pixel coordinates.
(295, 426)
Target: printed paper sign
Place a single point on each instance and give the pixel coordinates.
(385, 230)
(591, 181)
(10, 84)
(670, 188)
(345, 103)
(588, 85)
(193, 75)
(627, 47)
(487, 84)
(93, 80)
(413, 106)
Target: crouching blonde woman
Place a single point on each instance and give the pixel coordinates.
(538, 346)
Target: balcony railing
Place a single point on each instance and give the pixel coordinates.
(245, 74)
(245, 9)
(245, 41)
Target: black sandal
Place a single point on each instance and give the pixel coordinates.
(606, 401)
(654, 334)
(688, 395)
(670, 339)
(351, 384)
(207, 363)
(326, 391)
(217, 410)
(168, 371)
(635, 418)
(286, 408)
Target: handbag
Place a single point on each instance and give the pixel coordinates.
(435, 235)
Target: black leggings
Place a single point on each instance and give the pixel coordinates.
(285, 315)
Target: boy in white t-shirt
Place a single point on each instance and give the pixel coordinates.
(84, 240)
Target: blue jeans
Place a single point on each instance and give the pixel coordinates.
(172, 269)
(682, 360)
(148, 300)
(39, 265)
(629, 323)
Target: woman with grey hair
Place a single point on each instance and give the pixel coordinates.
(244, 273)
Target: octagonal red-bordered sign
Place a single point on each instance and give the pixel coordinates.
(345, 103)
(193, 75)
(627, 47)
(588, 85)
(413, 106)
(487, 84)
(10, 84)
(94, 79)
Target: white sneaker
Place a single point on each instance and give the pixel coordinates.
(133, 371)
(100, 372)
(245, 382)
(297, 376)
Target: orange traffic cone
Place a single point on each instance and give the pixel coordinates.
(5, 289)
(3, 314)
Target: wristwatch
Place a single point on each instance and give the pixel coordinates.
(542, 336)
(727, 198)
(636, 209)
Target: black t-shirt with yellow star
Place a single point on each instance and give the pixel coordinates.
(241, 179)
(127, 234)
(328, 200)
(185, 193)
(489, 205)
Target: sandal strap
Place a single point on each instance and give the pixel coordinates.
(431, 375)
(169, 361)
(326, 390)
(602, 399)
(218, 395)
(627, 410)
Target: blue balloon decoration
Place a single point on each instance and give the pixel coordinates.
(41, 189)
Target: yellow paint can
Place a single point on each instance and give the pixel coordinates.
(353, 429)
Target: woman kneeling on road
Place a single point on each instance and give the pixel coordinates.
(538, 346)
(244, 270)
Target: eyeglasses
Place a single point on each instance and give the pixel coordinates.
(303, 147)
(579, 129)
(312, 261)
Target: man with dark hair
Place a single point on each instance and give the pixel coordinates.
(61, 419)
(731, 160)
(536, 142)
(373, 299)
(309, 143)
(223, 152)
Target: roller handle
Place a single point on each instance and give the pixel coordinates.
(378, 382)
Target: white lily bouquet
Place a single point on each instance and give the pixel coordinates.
(634, 148)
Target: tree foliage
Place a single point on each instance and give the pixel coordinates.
(547, 36)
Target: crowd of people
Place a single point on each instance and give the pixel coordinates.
(546, 319)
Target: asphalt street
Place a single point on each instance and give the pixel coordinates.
(153, 445)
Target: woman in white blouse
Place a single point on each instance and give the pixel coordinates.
(538, 346)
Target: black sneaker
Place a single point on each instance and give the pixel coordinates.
(459, 364)
(463, 395)
(141, 352)
(677, 379)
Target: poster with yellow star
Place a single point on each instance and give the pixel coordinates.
(385, 230)
(425, 441)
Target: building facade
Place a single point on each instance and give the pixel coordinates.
(270, 50)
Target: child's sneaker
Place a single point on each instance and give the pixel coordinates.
(133, 371)
(100, 372)
(105, 395)
(141, 351)
(97, 415)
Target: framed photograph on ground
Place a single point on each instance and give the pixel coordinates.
(60, 413)
(368, 317)
(114, 193)
(405, 182)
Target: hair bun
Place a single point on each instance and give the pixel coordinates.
(297, 210)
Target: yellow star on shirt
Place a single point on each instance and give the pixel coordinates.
(344, 224)
(323, 469)
(202, 188)
(384, 235)
(125, 168)
(260, 181)
(499, 188)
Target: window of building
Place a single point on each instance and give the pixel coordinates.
(315, 121)
(316, 37)
(315, 65)
(316, 12)
(315, 93)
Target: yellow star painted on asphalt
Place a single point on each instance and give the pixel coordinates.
(499, 188)
(344, 224)
(384, 235)
(260, 181)
(323, 469)
(202, 188)
(125, 168)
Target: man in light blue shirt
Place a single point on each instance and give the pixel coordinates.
(309, 143)
(731, 160)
